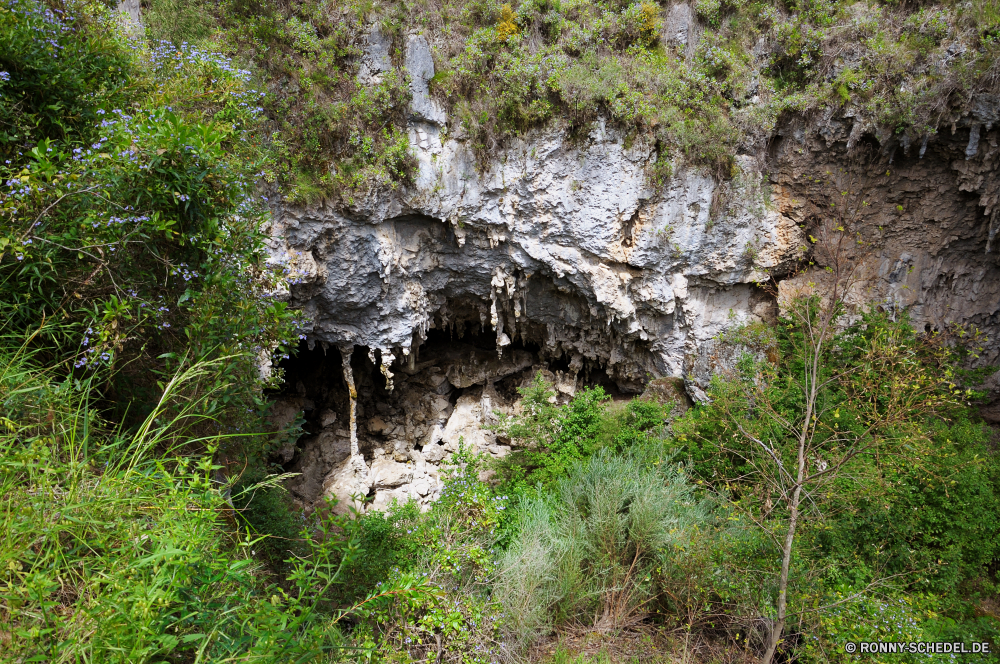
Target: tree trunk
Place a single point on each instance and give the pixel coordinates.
(786, 559)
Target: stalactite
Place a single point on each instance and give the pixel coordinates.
(992, 230)
(346, 352)
(387, 359)
(972, 149)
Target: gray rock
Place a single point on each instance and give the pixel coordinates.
(378, 426)
(384, 499)
(386, 473)
(419, 63)
(478, 366)
(680, 29)
(132, 13)
(434, 453)
(562, 244)
(376, 61)
(973, 147)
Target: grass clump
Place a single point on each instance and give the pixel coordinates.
(592, 550)
(111, 550)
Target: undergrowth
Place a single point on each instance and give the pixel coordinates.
(142, 517)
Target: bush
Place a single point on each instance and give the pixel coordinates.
(114, 553)
(177, 21)
(393, 544)
(640, 425)
(453, 547)
(936, 521)
(134, 219)
(554, 437)
(57, 98)
(857, 616)
(915, 509)
(590, 551)
(265, 511)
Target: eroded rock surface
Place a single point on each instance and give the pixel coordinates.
(930, 212)
(405, 434)
(562, 254)
(561, 244)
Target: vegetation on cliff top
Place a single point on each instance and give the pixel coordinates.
(502, 69)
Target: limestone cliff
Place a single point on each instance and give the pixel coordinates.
(562, 255)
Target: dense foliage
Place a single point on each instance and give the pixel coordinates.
(142, 519)
(130, 215)
(113, 547)
(907, 493)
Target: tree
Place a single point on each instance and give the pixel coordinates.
(840, 388)
(804, 433)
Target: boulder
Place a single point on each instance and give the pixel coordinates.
(419, 63)
(375, 63)
(386, 473)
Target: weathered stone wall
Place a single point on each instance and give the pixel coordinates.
(936, 256)
(562, 252)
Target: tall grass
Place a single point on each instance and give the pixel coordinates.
(986, 14)
(590, 553)
(115, 550)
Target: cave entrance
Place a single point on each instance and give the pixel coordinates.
(447, 390)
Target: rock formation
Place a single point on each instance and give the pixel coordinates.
(561, 255)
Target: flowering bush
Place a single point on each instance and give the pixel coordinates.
(133, 216)
(858, 617)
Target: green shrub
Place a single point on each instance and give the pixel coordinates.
(265, 511)
(111, 552)
(590, 551)
(554, 437)
(640, 424)
(118, 549)
(135, 222)
(453, 547)
(59, 70)
(177, 21)
(937, 520)
(855, 616)
(392, 542)
(918, 512)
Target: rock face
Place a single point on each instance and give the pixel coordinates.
(681, 30)
(561, 255)
(376, 61)
(420, 66)
(560, 244)
(405, 434)
(932, 214)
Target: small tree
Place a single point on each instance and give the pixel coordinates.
(844, 402)
(844, 389)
